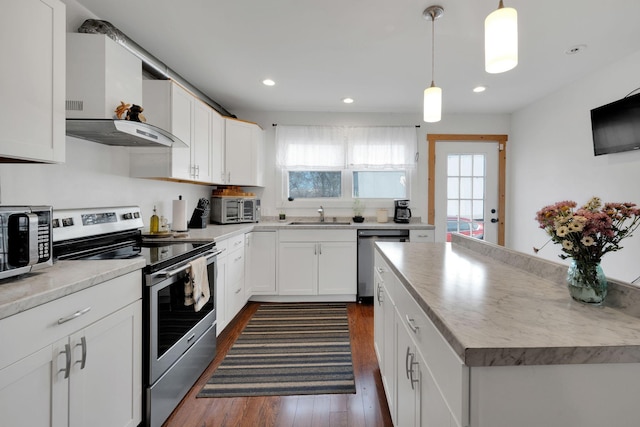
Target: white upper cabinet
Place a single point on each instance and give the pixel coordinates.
(32, 81)
(170, 107)
(244, 163)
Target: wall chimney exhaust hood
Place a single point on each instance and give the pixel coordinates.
(100, 76)
(122, 133)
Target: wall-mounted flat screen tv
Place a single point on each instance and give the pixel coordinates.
(616, 126)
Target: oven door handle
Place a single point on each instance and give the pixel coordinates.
(169, 273)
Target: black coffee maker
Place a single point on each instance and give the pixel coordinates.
(402, 213)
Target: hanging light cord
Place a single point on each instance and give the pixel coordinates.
(433, 48)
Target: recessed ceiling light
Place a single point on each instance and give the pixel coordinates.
(347, 100)
(268, 82)
(575, 49)
(479, 89)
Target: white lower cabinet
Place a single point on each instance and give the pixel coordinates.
(384, 331)
(235, 293)
(260, 263)
(317, 262)
(425, 382)
(76, 361)
(222, 317)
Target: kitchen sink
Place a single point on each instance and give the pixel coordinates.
(318, 223)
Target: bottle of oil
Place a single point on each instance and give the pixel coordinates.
(154, 224)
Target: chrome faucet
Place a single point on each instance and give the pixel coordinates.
(321, 212)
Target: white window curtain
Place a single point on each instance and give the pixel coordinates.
(381, 147)
(310, 147)
(338, 147)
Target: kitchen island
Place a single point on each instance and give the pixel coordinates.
(496, 334)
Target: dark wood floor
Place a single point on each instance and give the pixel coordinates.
(366, 408)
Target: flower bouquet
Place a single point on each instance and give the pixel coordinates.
(586, 234)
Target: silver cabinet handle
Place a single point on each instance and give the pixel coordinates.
(238, 291)
(67, 363)
(315, 249)
(412, 325)
(380, 270)
(380, 291)
(320, 248)
(74, 315)
(413, 363)
(406, 362)
(83, 344)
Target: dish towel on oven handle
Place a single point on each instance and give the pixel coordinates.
(196, 287)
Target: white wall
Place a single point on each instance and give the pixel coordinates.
(551, 159)
(473, 124)
(93, 175)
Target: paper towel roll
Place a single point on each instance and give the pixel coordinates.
(179, 215)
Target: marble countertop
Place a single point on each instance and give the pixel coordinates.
(497, 307)
(221, 232)
(63, 278)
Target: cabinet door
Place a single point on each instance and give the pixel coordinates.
(32, 81)
(106, 373)
(222, 317)
(201, 145)
(181, 113)
(337, 268)
(33, 393)
(379, 300)
(433, 411)
(407, 374)
(236, 298)
(218, 175)
(239, 160)
(298, 268)
(260, 263)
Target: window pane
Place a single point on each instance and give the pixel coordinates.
(453, 188)
(453, 165)
(315, 184)
(465, 188)
(380, 184)
(466, 165)
(478, 165)
(478, 188)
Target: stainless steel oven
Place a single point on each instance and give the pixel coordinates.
(178, 341)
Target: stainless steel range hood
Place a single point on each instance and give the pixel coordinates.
(122, 133)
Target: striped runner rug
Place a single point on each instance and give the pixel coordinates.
(288, 349)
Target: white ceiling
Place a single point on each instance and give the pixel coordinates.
(375, 51)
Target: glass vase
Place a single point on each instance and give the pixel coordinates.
(586, 282)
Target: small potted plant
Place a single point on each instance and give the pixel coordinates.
(358, 208)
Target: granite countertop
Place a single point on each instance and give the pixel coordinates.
(497, 307)
(63, 278)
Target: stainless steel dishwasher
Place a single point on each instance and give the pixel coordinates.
(366, 240)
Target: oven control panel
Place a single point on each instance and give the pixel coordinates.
(75, 223)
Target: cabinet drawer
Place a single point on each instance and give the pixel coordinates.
(26, 332)
(235, 267)
(235, 242)
(449, 373)
(421, 236)
(223, 245)
(317, 235)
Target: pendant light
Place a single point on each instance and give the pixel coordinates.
(432, 95)
(501, 40)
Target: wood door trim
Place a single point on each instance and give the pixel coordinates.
(432, 139)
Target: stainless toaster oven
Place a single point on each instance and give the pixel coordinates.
(231, 210)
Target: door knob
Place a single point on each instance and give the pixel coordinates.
(494, 220)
